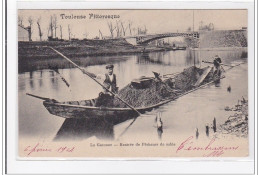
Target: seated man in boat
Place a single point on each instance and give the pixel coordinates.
(109, 82)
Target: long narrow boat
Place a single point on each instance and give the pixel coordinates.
(87, 109)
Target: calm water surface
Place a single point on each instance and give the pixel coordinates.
(180, 117)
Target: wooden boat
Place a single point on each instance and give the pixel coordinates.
(86, 109)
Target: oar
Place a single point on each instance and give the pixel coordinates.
(96, 80)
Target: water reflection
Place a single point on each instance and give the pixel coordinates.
(173, 58)
(40, 79)
(79, 129)
(76, 129)
(159, 125)
(31, 80)
(147, 59)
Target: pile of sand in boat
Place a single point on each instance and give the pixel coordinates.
(160, 90)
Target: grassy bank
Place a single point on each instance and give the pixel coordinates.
(35, 55)
(78, 48)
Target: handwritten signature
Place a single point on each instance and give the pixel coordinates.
(211, 149)
(39, 147)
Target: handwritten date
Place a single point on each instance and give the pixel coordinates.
(39, 147)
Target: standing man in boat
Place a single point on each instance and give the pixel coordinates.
(217, 69)
(109, 82)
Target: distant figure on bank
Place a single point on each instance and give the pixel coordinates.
(109, 82)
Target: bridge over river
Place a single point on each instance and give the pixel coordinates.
(145, 39)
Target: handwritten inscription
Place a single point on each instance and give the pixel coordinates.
(211, 149)
(44, 148)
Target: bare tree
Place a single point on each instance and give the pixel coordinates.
(134, 30)
(20, 21)
(51, 27)
(30, 21)
(130, 27)
(69, 31)
(39, 27)
(111, 29)
(55, 24)
(60, 32)
(142, 31)
(100, 35)
(124, 28)
(117, 29)
(48, 28)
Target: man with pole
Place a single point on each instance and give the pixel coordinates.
(217, 69)
(109, 82)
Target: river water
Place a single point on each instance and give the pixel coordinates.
(180, 117)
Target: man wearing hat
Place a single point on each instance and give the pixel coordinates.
(217, 68)
(110, 79)
(217, 61)
(109, 82)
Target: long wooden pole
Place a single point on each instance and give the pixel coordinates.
(213, 63)
(36, 96)
(95, 80)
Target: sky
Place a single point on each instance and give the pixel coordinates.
(156, 21)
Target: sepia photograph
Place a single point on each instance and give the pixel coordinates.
(130, 83)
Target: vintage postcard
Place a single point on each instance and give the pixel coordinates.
(133, 83)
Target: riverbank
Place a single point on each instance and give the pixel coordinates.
(236, 124)
(37, 56)
(80, 48)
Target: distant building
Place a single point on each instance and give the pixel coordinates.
(244, 28)
(23, 34)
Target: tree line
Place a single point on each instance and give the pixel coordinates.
(120, 29)
(117, 29)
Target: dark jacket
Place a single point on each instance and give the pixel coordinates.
(108, 83)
